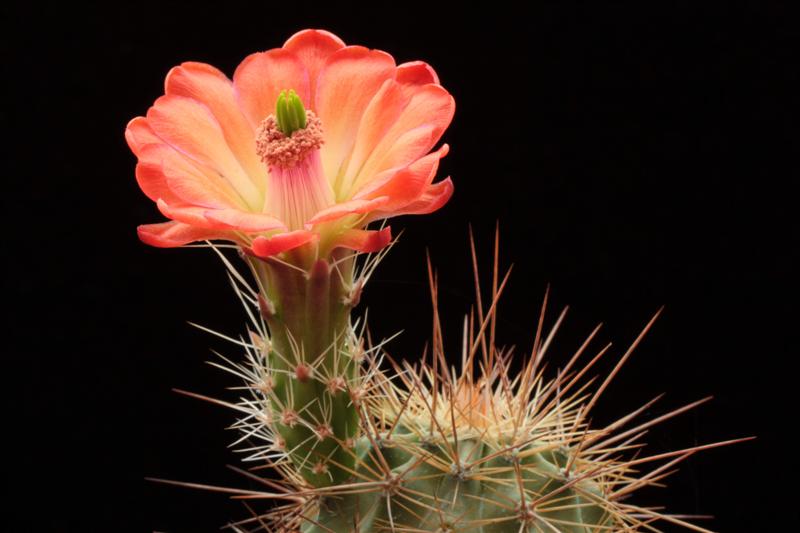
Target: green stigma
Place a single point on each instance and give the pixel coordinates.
(290, 113)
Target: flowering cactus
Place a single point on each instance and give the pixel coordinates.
(290, 161)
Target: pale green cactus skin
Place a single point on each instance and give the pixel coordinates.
(485, 501)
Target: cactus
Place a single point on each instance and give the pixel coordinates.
(373, 444)
(291, 161)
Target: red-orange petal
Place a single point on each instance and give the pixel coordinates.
(350, 207)
(187, 214)
(313, 47)
(261, 77)
(153, 183)
(381, 114)
(243, 221)
(434, 197)
(173, 234)
(347, 83)
(139, 134)
(168, 174)
(406, 150)
(411, 135)
(190, 127)
(416, 73)
(213, 89)
(269, 246)
(405, 185)
(364, 240)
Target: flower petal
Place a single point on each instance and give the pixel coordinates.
(269, 246)
(243, 220)
(405, 185)
(213, 89)
(349, 80)
(153, 183)
(364, 240)
(382, 112)
(313, 47)
(411, 135)
(261, 77)
(139, 134)
(348, 208)
(434, 197)
(165, 173)
(407, 149)
(173, 234)
(416, 73)
(188, 214)
(190, 128)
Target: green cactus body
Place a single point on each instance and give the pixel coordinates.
(311, 362)
(422, 447)
(425, 491)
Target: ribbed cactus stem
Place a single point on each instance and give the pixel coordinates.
(312, 361)
(497, 495)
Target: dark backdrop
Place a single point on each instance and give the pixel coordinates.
(633, 157)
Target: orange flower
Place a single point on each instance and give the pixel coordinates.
(351, 144)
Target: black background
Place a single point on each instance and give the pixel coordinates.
(633, 157)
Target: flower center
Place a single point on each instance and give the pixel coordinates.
(288, 142)
(286, 138)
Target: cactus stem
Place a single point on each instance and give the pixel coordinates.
(302, 372)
